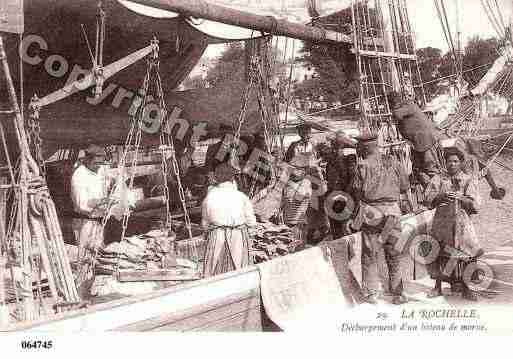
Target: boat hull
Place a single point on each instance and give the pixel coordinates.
(229, 302)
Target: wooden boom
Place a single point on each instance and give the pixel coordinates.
(269, 24)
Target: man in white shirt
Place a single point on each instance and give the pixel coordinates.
(227, 218)
(89, 191)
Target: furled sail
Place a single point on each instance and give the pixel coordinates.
(490, 79)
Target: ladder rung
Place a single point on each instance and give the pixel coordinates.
(392, 144)
(384, 54)
(374, 83)
(6, 111)
(378, 114)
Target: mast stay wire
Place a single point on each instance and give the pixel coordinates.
(447, 34)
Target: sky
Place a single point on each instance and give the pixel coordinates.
(473, 20)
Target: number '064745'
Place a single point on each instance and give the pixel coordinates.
(36, 344)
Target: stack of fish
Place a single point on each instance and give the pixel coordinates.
(272, 241)
(136, 253)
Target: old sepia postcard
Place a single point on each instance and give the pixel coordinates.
(290, 166)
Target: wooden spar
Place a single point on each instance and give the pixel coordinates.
(392, 55)
(268, 24)
(386, 11)
(90, 80)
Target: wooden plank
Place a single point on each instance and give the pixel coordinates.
(199, 316)
(232, 316)
(392, 55)
(3, 208)
(157, 275)
(139, 170)
(248, 321)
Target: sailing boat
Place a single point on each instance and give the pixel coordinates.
(463, 111)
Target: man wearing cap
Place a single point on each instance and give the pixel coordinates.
(89, 191)
(303, 146)
(317, 221)
(421, 132)
(228, 218)
(340, 167)
(377, 186)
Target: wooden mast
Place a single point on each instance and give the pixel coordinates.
(388, 43)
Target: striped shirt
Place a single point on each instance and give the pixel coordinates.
(296, 198)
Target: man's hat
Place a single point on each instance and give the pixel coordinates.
(367, 141)
(454, 151)
(95, 151)
(224, 172)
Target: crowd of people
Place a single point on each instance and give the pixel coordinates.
(356, 178)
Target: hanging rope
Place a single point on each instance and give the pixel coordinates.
(495, 156)
(132, 144)
(442, 17)
(499, 28)
(291, 71)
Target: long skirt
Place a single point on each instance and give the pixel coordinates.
(452, 228)
(227, 250)
(87, 232)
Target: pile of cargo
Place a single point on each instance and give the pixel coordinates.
(154, 251)
(272, 241)
(136, 252)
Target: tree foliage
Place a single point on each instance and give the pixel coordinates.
(230, 67)
(429, 59)
(335, 65)
(479, 52)
(434, 65)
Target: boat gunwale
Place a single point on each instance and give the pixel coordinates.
(126, 301)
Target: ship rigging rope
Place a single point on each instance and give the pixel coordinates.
(442, 16)
(497, 21)
(289, 81)
(495, 156)
(133, 142)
